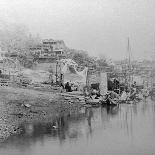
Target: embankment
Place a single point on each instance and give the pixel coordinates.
(19, 105)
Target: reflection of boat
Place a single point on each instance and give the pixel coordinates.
(112, 110)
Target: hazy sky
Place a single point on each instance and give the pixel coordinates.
(97, 26)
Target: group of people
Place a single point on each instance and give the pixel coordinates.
(133, 93)
(114, 85)
(127, 94)
(69, 87)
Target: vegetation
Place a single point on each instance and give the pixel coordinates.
(14, 37)
(83, 59)
(25, 61)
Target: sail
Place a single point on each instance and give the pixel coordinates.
(71, 74)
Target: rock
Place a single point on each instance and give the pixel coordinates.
(27, 105)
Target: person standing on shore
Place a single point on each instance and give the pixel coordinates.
(68, 87)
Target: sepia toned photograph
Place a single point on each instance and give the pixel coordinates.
(77, 77)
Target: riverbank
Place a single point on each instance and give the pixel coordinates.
(18, 105)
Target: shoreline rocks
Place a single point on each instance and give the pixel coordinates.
(19, 105)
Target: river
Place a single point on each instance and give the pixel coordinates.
(125, 130)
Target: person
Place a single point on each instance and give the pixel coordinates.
(86, 93)
(61, 87)
(133, 93)
(110, 85)
(68, 87)
(97, 94)
(51, 79)
(116, 86)
(123, 96)
(94, 91)
(134, 84)
(114, 95)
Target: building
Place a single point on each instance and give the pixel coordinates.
(49, 50)
(55, 44)
(53, 47)
(36, 50)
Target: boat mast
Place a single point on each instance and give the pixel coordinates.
(129, 62)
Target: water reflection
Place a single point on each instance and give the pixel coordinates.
(130, 125)
(89, 115)
(153, 97)
(62, 127)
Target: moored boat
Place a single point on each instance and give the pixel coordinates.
(93, 101)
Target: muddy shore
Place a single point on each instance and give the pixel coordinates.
(18, 105)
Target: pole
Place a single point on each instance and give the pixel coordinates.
(56, 71)
(87, 80)
(129, 53)
(129, 62)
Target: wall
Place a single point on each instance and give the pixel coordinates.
(93, 78)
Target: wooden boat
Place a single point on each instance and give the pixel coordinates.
(109, 102)
(93, 101)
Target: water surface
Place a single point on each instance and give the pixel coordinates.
(124, 130)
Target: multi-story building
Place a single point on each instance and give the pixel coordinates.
(36, 50)
(54, 47)
(49, 48)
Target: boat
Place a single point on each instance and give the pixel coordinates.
(107, 100)
(93, 101)
(110, 102)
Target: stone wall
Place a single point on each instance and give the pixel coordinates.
(100, 78)
(93, 78)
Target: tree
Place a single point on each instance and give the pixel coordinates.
(79, 58)
(102, 62)
(25, 61)
(16, 37)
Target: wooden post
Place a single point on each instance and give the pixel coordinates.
(56, 72)
(87, 78)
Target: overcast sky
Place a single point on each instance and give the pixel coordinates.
(100, 27)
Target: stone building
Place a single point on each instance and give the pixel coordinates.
(49, 48)
(55, 47)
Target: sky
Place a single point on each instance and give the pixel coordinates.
(100, 27)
